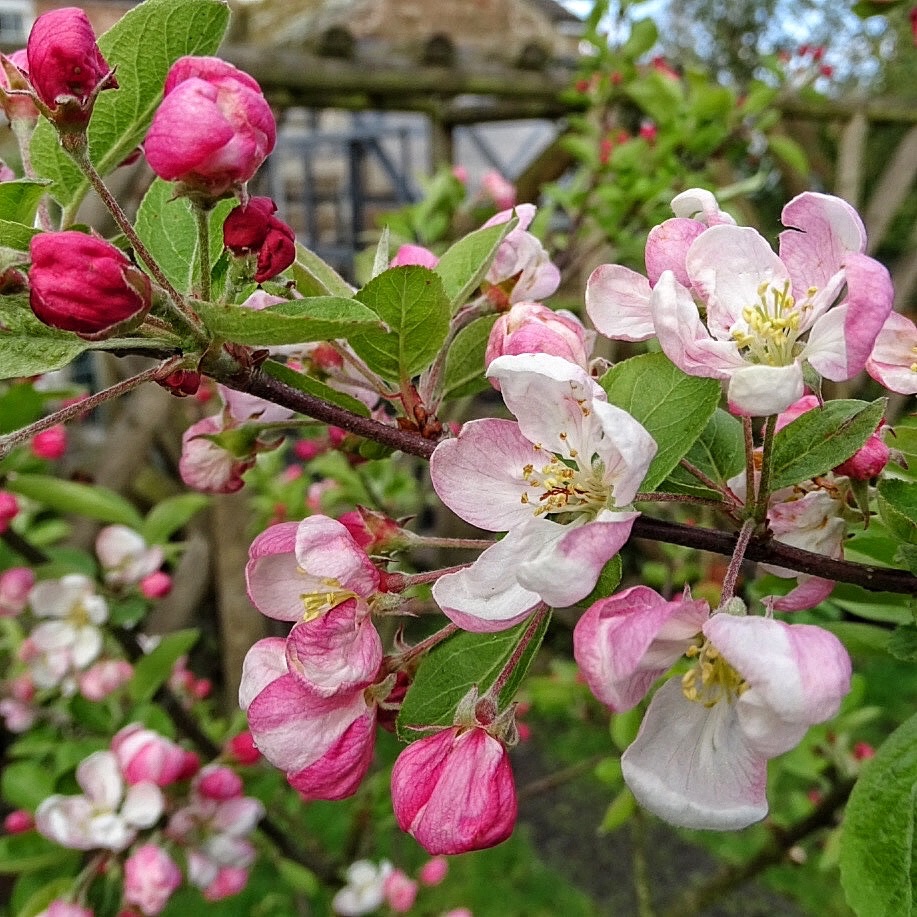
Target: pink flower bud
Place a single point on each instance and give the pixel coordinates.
(50, 444)
(65, 65)
(242, 748)
(863, 751)
(84, 284)
(499, 190)
(150, 878)
(433, 871)
(146, 755)
(867, 462)
(254, 228)
(400, 891)
(213, 129)
(218, 782)
(13, 73)
(202, 688)
(372, 531)
(454, 791)
(9, 509)
(182, 382)
(18, 821)
(157, 585)
(230, 881)
(61, 908)
(414, 254)
(104, 678)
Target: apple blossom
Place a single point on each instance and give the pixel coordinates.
(207, 466)
(365, 888)
(229, 881)
(125, 556)
(893, 361)
(558, 481)
(104, 816)
(867, 462)
(104, 678)
(9, 509)
(242, 748)
(150, 878)
(15, 585)
(146, 756)
(218, 782)
(75, 610)
(434, 871)
(212, 130)
(60, 908)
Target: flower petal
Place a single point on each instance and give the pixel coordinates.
(667, 246)
(618, 302)
(760, 390)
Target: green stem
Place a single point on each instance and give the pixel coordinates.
(521, 646)
(431, 576)
(764, 483)
(419, 649)
(202, 218)
(707, 481)
(23, 128)
(749, 463)
(18, 437)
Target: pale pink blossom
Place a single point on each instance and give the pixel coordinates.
(18, 716)
(229, 881)
(559, 481)
(75, 612)
(499, 189)
(400, 891)
(298, 571)
(147, 756)
(61, 908)
(893, 361)
(434, 871)
(105, 816)
(700, 757)
(207, 466)
(365, 889)
(125, 556)
(414, 254)
(150, 878)
(453, 791)
(15, 585)
(104, 678)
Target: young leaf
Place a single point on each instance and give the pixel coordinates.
(142, 45)
(318, 318)
(19, 199)
(314, 277)
(464, 372)
(674, 407)
(382, 257)
(24, 786)
(821, 439)
(72, 497)
(450, 669)
(29, 852)
(16, 235)
(28, 347)
(463, 266)
(168, 227)
(170, 515)
(898, 508)
(878, 858)
(412, 303)
(313, 387)
(151, 671)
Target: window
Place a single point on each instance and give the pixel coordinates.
(15, 22)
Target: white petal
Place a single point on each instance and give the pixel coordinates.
(759, 390)
(143, 805)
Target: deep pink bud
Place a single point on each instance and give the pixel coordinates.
(84, 284)
(15, 585)
(218, 782)
(373, 531)
(146, 755)
(863, 751)
(157, 585)
(278, 251)
(246, 227)
(400, 891)
(212, 130)
(182, 382)
(18, 821)
(867, 462)
(150, 877)
(433, 871)
(242, 748)
(50, 444)
(9, 509)
(65, 65)
(454, 791)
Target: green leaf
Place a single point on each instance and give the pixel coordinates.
(719, 453)
(674, 407)
(619, 812)
(412, 303)
(39, 900)
(314, 277)
(463, 266)
(902, 644)
(821, 439)
(318, 318)
(879, 841)
(168, 227)
(142, 45)
(72, 497)
(28, 347)
(464, 372)
(897, 502)
(313, 387)
(643, 35)
(170, 515)
(152, 671)
(789, 152)
(19, 199)
(450, 670)
(16, 235)
(24, 785)
(659, 97)
(906, 556)
(29, 852)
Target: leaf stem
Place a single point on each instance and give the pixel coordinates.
(202, 219)
(534, 623)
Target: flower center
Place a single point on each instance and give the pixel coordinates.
(772, 325)
(566, 488)
(712, 679)
(316, 604)
(78, 616)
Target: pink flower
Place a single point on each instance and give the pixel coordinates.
(125, 556)
(499, 190)
(61, 908)
(700, 758)
(150, 878)
(105, 816)
(529, 327)
(18, 105)
(104, 678)
(454, 791)
(297, 571)
(15, 585)
(50, 444)
(218, 782)
(229, 881)
(212, 130)
(253, 228)
(434, 871)
(66, 67)
(893, 361)
(207, 466)
(558, 481)
(414, 254)
(9, 509)
(400, 891)
(84, 284)
(144, 755)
